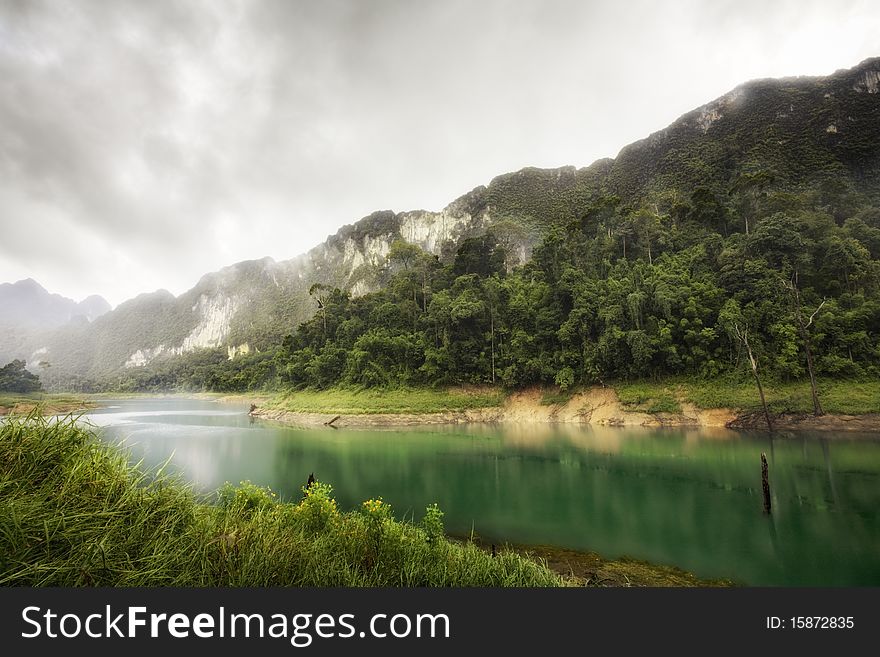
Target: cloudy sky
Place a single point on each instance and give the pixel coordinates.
(143, 144)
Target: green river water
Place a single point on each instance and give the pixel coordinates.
(685, 497)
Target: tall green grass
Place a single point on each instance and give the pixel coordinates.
(847, 397)
(649, 397)
(346, 401)
(74, 513)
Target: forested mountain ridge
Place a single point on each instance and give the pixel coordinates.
(797, 130)
(788, 170)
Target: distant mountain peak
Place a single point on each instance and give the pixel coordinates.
(26, 304)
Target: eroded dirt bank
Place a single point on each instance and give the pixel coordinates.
(596, 406)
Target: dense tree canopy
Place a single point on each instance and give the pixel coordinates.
(616, 293)
(15, 378)
(619, 293)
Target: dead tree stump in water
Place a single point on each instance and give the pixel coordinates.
(309, 483)
(765, 482)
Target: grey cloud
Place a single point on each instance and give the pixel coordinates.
(145, 143)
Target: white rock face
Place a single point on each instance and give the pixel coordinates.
(708, 116)
(213, 327)
(42, 351)
(217, 313)
(376, 248)
(352, 256)
(232, 351)
(429, 230)
(869, 82)
(361, 287)
(831, 128)
(143, 356)
(350, 264)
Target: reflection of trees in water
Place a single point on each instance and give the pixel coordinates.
(659, 496)
(825, 454)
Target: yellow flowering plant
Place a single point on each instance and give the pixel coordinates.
(317, 508)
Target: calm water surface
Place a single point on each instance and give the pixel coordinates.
(690, 498)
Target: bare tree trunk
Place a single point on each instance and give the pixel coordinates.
(765, 482)
(492, 330)
(760, 390)
(424, 292)
(792, 288)
(416, 306)
(743, 336)
(817, 407)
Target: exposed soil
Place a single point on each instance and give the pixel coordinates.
(48, 407)
(591, 569)
(596, 406)
(868, 423)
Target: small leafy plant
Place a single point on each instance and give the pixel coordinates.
(318, 508)
(432, 523)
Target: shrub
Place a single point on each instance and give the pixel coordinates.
(432, 523)
(318, 508)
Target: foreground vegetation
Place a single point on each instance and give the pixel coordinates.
(73, 513)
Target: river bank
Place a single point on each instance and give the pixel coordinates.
(49, 404)
(584, 568)
(600, 406)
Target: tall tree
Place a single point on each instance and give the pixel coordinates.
(14, 377)
(319, 292)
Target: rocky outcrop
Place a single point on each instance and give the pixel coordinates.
(869, 82)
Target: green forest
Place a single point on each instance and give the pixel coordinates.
(686, 286)
(15, 378)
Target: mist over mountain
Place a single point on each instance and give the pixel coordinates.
(780, 136)
(28, 310)
(26, 304)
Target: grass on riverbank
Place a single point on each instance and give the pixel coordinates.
(51, 404)
(74, 513)
(665, 396)
(843, 397)
(371, 401)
